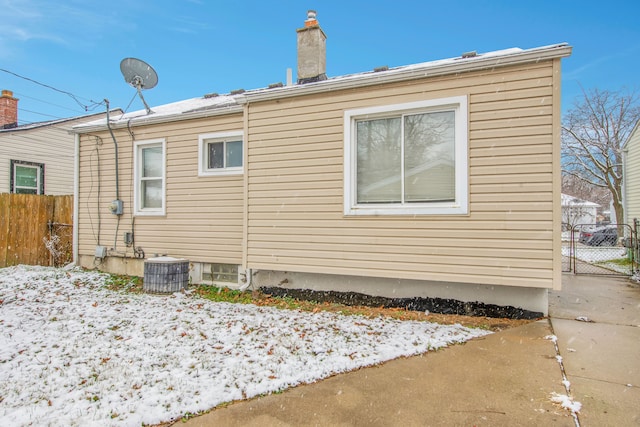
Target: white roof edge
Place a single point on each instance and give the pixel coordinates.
(409, 72)
(631, 135)
(151, 119)
(566, 199)
(55, 122)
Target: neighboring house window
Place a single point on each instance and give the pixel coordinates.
(150, 177)
(27, 177)
(220, 154)
(407, 159)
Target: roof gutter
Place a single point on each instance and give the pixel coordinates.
(414, 72)
(160, 118)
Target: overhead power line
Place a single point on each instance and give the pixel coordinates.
(22, 95)
(90, 107)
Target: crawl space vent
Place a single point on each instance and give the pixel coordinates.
(164, 275)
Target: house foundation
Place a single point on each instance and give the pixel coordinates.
(530, 299)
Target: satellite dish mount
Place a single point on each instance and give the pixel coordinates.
(140, 75)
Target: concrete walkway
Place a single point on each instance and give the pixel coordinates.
(601, 354)
(503, 379)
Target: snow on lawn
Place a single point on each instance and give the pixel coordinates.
(73, 353)
(593, 254)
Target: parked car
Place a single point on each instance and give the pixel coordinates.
(603, 236)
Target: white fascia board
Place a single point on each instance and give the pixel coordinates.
(161, 118)
(635, 129)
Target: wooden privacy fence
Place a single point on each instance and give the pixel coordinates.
(35, 230)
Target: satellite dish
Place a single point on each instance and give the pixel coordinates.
(140, 75)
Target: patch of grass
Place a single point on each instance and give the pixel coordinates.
(221, 294)
(625, 262)
(133, 284)
(125, 283)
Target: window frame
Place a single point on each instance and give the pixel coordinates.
(203, 153)
(39, 177)
(137, 189)
(460, 206)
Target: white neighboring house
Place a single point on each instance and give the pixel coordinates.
(631, 176)
(578, 212)
(36, 158)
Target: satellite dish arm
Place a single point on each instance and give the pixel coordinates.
(139, 89)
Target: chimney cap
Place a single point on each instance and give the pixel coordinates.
(7, 93)
(311, 18)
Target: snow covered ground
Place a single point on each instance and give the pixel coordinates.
(73, 353)
(600, 256)
(594, 254)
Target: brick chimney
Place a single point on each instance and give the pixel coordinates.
(312, 52)
(8, 110)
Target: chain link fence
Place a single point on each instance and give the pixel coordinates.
(567, 247)
(600, 249)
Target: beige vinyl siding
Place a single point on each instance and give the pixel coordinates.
(295, 186)
(632, 176)
(204, 215)
(51, 145)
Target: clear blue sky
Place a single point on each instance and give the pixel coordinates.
(200, 46)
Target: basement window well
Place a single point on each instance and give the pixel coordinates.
(224, 273)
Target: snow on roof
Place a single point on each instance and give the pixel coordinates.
(221, 104)
(571, 201)
(167, 110)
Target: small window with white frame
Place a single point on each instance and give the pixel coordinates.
(407, 159)
(149, 190)
(26, 177)
(220, 153)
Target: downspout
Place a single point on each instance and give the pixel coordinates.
(115, 143)
(248, 274)
(116, 205)
(76, 192)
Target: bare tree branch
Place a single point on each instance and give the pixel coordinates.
(593, 133)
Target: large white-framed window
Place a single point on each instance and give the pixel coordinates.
(149, 190)
(407, 159)
(26, 177)
(220, 153)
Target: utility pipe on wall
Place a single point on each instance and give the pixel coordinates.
(115, 143)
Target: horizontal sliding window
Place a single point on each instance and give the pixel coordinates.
(220, 154)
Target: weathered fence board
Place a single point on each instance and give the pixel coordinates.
(28, 224)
